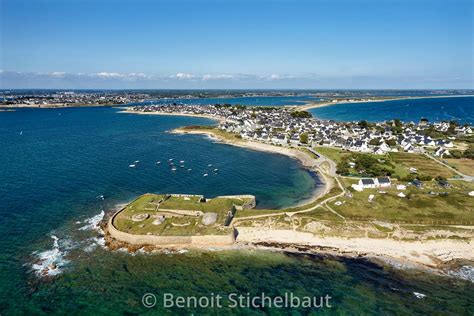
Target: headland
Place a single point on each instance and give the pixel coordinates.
(401, 204)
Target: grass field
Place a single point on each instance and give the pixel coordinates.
(464, 165)
(155, 205)
(420, 206)
(425, 165)
(334, 154)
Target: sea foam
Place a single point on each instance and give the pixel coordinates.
(464, 272)
(50, 261)
(92, 223)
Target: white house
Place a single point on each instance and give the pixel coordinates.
(367, 183)
(383, 182)
(441, 152)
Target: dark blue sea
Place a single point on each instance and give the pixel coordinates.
(56, 163)
(459, 109)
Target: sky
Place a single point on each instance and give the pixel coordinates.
(338, 44)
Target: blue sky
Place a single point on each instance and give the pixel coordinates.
(236, 44)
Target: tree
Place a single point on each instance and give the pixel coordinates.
(301, 114)
(391, 142)
(374, 142)
(397, 122)
(363, 124)
(304, 138)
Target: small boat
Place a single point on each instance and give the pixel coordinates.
(100, 197)
(171, 159)
(174, 169)
(21, 133)
(158, 162)
(181, 161)
(215, 170)
(132, 166)
(137, 161)
(181, 166)
(205, 175)
(209, 165)
(190, 169)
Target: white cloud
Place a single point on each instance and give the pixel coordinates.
(182, 75)
(108, 75)
(218, 77)
(57, 74)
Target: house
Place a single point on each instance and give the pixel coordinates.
(383, 182)
(417, 183)
(444, 183)
(409, 148)
(401, 187)
(441, 152)
(367, 183)
(378, 151)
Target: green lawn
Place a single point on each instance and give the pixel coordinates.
(179, 225)
(334, 154)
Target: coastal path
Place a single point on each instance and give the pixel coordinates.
(465, 177)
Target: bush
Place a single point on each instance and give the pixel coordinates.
(301, 114)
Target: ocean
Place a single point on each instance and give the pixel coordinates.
(248, 101)
(459, 109)
(57, 163)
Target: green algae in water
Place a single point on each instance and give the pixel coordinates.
(105, 282)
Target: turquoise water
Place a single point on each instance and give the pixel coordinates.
(55, 163)
(460, 109)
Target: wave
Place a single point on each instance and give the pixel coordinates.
(464, 272)
(50, 262)
(92, 223)
(93, 243)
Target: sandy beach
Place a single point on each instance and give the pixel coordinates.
(433, 253)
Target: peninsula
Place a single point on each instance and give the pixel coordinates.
(390, 190)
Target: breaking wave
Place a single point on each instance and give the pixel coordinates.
(50, 262)
(92, 223)
(464, 272)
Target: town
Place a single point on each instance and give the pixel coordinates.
(48, 98)
(287, 126)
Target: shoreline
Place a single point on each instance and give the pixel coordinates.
(55, 106)
(307, 162)
(310, 106)
(432, 254)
